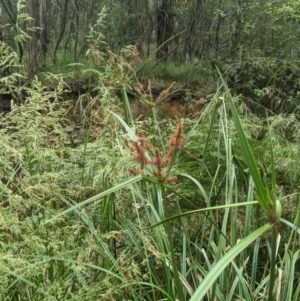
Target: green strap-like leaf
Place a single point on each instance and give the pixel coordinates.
(97, 197)
(215, 272)
(263, 192)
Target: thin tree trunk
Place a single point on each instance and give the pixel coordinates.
(90, 13)
(71, 32)
(217, 33)
(76, 31)
(61, 32)
(44, 24)
(33, 33)
(164, 28)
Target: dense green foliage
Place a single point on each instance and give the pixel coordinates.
(99, 205)
(254, 43)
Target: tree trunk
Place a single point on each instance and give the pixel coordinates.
(61, 33)
(45, 13)
(164, 28)
(33, 33)
(76, 32)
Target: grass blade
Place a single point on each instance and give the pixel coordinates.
(214, 273)
(96, 197)
(263, 192)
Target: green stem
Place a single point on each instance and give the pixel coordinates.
(156, 132)
(273, 264)
(86, 140)
(180, 293)
(127, 111)
(153, 119)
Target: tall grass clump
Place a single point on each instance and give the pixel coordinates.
(189, 73)
(112, 209)
(133, 214)
(110, 76)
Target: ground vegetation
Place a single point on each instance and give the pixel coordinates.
(149, 150)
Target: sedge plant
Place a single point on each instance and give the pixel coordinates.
(152, 238)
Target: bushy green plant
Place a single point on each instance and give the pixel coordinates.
(194, 74)
(268, 81)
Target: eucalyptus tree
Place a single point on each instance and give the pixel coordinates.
(45, 18)
(62, 8)
(215, 32)
(164, 27)
(1, 29)
(33, 33)
(9, 16)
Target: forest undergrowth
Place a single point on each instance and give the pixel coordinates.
(98, 206)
